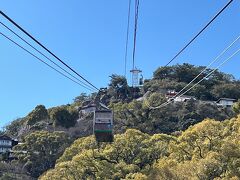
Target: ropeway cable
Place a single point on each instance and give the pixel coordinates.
(209, 65)
(8, 38)
(166, 103)
(46, 56)
(50, 52)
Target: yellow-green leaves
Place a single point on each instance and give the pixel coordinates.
(131, 154)
(208, 150)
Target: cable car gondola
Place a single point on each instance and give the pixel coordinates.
(102, 119)
(103, 125)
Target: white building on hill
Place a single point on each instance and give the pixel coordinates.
(225, 102)
(5, 143)
(184, 98)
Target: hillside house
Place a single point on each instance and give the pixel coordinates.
(225, 102)
(6, 143)
(88, 109)
(184, 98)
(170, 94)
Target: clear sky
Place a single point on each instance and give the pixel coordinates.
(90, 36)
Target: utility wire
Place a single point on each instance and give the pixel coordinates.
(224, 51)
(45, 55)
(213, 61)
(209, 74)
(8, 38)
(24, 31)
(166, 103)
(126, 47)
(135, 30)
(199, 32)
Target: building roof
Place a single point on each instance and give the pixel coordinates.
(85, 103)
(5, 137)
(226, 99)
(87, 107)
(140, 98)
(185, 97)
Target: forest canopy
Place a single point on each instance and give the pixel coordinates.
(207, 150)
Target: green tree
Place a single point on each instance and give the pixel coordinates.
(165, 72)
(13, 128)
(118, 87)
(207, 150)
(13, 171)
(236, 107)
(40, 113)
(79, 100)
(62, 117)
(186, 72)
(156, 99)
(131, 153)
(226, 91)
(40, 150)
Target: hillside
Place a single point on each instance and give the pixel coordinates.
(132, 112)
(148, 142)
(208, 150)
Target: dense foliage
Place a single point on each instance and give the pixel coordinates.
(62, 117)
(135, 114)
(190, 148)
(38, 114)
(40, 149)
(216, 86)
(12, 171)
(43, 119)
(173, 117)
(208, 150)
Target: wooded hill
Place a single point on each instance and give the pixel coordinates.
(130, 112)
(140, 149)
(208, 150)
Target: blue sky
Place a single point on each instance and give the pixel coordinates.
(90, 36)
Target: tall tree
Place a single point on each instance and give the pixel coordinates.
(40, 149)
(38, 114)
(118, 87)
(62, 117)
